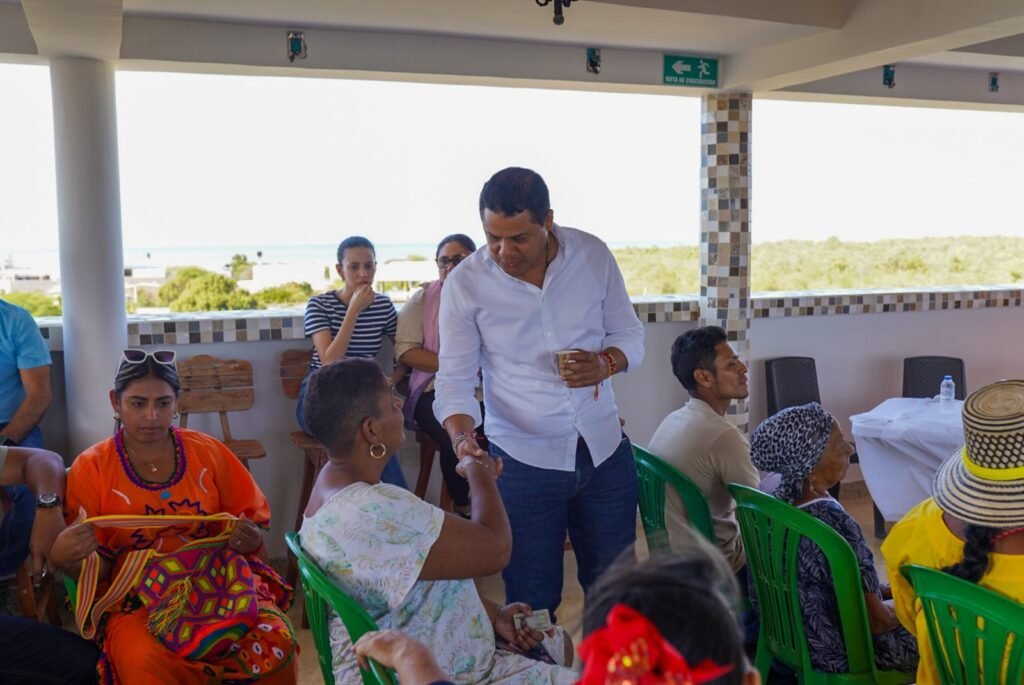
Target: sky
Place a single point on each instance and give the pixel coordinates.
(226, 160)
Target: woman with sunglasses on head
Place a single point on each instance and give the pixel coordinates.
(149, 468)
(351, 322)
(416, 347)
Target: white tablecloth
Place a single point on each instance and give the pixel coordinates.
(901, 444)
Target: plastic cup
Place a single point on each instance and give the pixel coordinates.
(564, 361)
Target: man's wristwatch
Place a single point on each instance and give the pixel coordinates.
(7, 442)
(47, 500)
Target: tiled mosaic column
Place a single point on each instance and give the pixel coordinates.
(725, 223)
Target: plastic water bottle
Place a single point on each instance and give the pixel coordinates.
(947, 391)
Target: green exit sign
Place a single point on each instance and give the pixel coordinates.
(701, 72)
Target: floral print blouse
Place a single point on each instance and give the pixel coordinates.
(372, 540)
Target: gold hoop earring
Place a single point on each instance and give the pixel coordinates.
(383, 450)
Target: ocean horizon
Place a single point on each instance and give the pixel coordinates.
(214, 257)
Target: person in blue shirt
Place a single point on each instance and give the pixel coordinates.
(24, 398)
(28, 648)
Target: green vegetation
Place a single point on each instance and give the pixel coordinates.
(192, 289)
(241, 267)
(285, 294)
(788, 265)
(659, 270)
(37, 304)
(833, 264)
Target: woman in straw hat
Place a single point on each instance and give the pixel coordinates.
(973, 525)
(807, 448)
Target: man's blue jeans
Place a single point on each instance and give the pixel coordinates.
(596, 506)
(392, 470)
(16, 525)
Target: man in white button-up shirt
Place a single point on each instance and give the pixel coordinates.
(538, 289)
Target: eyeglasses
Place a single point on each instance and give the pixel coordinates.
(445, 262)
(137, 356)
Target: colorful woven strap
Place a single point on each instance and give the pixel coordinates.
(88, 614)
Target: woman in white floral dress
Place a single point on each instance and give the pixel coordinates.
(408, 563)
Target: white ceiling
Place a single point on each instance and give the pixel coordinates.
(589, 23)
(767, 46)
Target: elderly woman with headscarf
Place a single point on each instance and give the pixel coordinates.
(806, 447)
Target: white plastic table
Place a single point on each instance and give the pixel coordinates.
(901, 444)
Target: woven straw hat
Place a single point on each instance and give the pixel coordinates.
(983, 483)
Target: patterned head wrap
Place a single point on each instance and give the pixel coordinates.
(791, 443)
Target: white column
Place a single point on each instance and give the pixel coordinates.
(91, 261)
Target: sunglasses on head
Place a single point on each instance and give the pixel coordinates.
(445, 262)
(137, 356)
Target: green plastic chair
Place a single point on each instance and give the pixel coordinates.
(959, 613)
(319, 593)
(771, 531)
(71, 589)
(654, 473)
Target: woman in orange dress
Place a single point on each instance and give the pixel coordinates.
(150, 468)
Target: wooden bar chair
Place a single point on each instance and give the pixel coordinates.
(209, 384)
(428, 448)
(294, 365)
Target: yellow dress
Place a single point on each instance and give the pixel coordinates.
(922, 537)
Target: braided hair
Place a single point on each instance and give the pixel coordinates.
(978, 542)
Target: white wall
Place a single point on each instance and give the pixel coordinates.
(860, 357)
(645, 395)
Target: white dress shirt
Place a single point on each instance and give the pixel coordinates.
(512, 329)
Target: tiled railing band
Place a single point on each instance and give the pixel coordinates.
(263, 325)
(881, 301)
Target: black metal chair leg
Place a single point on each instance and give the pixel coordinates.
(880, 532)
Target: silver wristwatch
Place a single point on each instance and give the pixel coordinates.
(47, 500)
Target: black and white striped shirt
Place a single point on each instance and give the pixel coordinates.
(326, 313)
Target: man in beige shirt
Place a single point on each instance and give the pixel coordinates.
(701, 442)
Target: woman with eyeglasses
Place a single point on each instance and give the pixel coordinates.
(351, 322)
(416, 347)
(150, 468)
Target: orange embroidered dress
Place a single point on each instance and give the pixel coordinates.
(208, 479)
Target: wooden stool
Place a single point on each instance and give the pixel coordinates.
(427, 450)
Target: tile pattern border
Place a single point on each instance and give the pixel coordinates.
(824, 303)
(215, 327)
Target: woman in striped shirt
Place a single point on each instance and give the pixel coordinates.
(351, 322)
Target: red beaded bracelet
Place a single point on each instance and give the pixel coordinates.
(612, 364)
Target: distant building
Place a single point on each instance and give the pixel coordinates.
(24, 280)
(318, 274)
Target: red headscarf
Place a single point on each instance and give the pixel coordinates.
(629, 650)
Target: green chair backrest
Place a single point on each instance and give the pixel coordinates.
(654, 473)
(319, 593)
(960, 613)
(771, 531)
